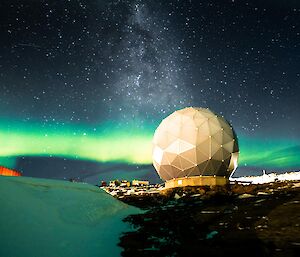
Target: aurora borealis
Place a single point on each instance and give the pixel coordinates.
(104, 146)
(112, 145)
(91, 80)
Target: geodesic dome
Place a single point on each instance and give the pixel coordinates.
(193, 142)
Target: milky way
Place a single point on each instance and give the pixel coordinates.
(145, 70)
(92, 79)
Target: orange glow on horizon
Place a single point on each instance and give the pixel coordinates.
(8, 172)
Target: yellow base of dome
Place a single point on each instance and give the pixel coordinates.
(197, 181)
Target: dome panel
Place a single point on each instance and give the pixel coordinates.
(173, 129)
(201, 157)
(176, 162)
(158, 154)
(226, 137)
(214, 124)
(164, 160)
(186, 164)
(229, 146)
(216, 166)
(190, 155)
(171, 171)
(223, 170)
(199, 114)
(199, 120)
(226, 154)
(176, 171)
(218, 155)
(169, 157)
(185, 146)
(203, 129)
(189, 134)
(187, 121)
(202, 166)
(156, 166)
(165, 172)
(218, 136)
(201, 138)
(224, 123)
(187, 111)
(206, 112)
(174, 118)
(209, 169)
(174, 147)
(193, 172)
(215, 146)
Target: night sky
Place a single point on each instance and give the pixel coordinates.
(91, 80)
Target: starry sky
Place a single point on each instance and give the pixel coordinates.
(91, 80)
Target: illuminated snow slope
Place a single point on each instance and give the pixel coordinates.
(268, 178)
(55, 218)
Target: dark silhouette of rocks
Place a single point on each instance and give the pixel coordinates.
(238, 220)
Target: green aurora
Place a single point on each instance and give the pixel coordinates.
(112, 143)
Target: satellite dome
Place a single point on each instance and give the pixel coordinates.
(195, 144)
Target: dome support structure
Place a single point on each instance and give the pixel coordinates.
(197, 181)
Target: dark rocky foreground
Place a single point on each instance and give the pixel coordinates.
(241, 220)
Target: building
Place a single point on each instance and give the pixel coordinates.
(114, 183)
(9, 172)
(125, 183)
(140, 182)
(195, 146)
(103, 183)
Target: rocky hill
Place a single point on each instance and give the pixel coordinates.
(240, 220)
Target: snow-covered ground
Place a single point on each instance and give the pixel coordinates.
(268, 178)
(50, 218)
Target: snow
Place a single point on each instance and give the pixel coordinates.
(50, 218)
(268, 178)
